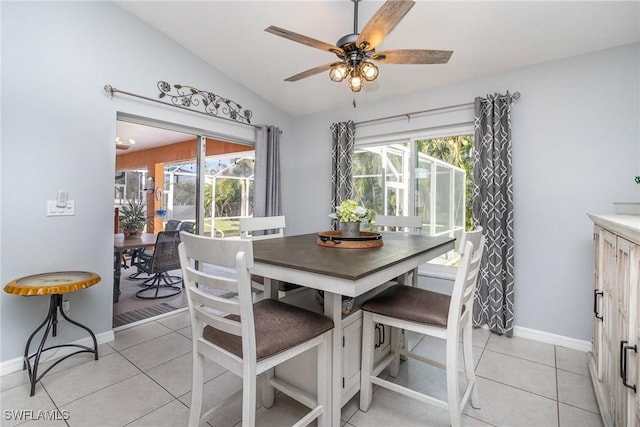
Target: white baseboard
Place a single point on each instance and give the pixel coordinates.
(14, 365)
(549, 338)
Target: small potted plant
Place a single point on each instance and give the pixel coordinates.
(350, 216)
(132, 218)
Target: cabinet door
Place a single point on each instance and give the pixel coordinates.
(611, 333)
(627, 281)
(597, 302)
(634, 284)
(351, 351)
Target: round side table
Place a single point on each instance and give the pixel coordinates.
(54, 284)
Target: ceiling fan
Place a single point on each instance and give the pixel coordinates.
(357, 50)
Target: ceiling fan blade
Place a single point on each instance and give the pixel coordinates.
(309, 72)
(299, 38)
(383, 22)
(413, 56)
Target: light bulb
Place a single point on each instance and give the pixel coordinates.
(355, 82)
(369, 71)
(338, 72)
(132, 141)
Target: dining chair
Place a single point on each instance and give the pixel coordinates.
(172, 224)
(408, 224)
(260, 228)
(248, 339)
(188, 226)
(157, 264)
(428, 313)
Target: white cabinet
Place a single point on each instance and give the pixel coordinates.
(614, 363)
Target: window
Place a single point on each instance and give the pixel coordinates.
(427, 174)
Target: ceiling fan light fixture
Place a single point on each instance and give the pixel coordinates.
(339, 72)
(369, 71)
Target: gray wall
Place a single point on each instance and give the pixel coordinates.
(58, 131)
(576, 149)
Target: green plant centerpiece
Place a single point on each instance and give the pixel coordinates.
(350, 216)
(132, 218)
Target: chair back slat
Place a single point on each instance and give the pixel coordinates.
(216, 282)
(259, 228)
(408, 224)
(200, 297)
(222, 323)
(200, 249)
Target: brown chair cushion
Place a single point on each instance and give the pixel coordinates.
(279, 326)
(413, 304)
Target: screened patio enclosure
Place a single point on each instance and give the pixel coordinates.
(386, 181)
(228, 193)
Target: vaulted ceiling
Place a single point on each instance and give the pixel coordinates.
(486, 36)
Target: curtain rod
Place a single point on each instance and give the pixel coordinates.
(112, 91)
(516, 95)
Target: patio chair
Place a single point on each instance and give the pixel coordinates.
(158, 264)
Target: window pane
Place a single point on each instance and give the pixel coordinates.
(381, 179)
(228, 192)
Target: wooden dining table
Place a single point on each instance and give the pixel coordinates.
(119, 246)
(341, 272)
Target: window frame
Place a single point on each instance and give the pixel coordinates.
(411, 137)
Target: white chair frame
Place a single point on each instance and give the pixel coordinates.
(249, 227)
(252, 228)
(208, 309)
(408, 224)
(458, 325)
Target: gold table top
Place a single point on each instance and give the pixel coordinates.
(58, 282)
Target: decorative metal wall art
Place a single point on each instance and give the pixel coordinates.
(212, 104)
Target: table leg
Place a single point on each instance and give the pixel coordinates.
(117, 271)
(333, 310)
(271, 288)
(51, 321)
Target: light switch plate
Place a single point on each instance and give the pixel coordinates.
(54, 210)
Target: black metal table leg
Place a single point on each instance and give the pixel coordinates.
(51, 322)
(117, 272)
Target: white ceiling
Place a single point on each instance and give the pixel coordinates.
(145, 137)
(486, 37)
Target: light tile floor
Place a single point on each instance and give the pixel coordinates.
(143, 378)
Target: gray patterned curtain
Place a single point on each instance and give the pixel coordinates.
(492, 200)
(342, 162)
(266, 196)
